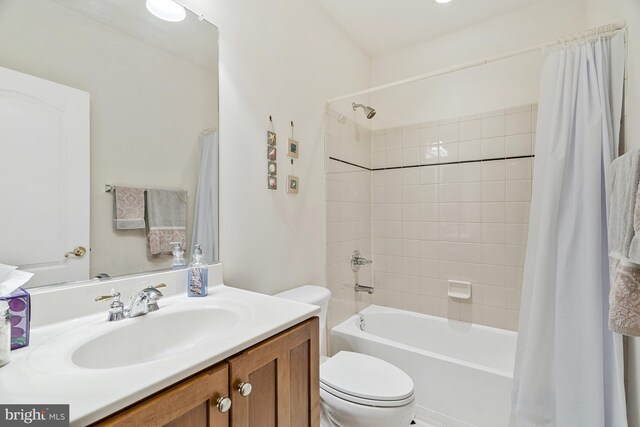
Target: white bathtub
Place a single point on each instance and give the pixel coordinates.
(462, 372)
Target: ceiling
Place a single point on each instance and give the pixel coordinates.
(378, 26)
(193, 39)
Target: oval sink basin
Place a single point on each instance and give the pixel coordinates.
(154, 336)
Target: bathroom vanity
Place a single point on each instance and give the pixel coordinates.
(233, 358)
(274, 383)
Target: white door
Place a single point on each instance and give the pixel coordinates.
(44, 177)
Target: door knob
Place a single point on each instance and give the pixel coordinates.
(223, 404)
(244, 389)
(79, 251)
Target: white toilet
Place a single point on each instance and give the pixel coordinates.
(357, 390)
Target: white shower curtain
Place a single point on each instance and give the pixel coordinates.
(205, 221)
(569, 368)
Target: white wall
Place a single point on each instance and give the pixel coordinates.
(282, 58)
(506, 83)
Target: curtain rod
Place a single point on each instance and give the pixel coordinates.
(594, 32)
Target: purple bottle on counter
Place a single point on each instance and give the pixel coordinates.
(20, 317)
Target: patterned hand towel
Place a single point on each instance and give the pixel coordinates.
(166, 220)
(624, 300)
(128, 208)
(624, 245)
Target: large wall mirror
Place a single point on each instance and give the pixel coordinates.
(94, 94)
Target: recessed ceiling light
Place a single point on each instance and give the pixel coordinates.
(442, 1)
(167, 10)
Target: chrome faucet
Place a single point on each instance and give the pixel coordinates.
(145, 301)
(356, 262)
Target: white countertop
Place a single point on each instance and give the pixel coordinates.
(44, 373)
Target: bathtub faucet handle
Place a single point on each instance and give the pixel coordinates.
(357, 261)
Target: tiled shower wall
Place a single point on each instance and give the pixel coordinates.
(450, 200)
(348, 188)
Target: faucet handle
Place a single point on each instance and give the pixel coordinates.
(115, 296)
(357, 261)
(158, 286)
(153, 292)
(153, 296)
(116, 310)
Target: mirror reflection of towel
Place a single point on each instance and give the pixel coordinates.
(166, 220)
(128, 208)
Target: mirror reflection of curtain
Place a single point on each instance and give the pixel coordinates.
(568, 364)
(205, 222)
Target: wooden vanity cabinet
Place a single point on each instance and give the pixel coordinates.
(190, 403)
(283, 373)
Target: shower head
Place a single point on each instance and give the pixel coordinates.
(370, 112)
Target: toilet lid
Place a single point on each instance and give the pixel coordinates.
(366, 377)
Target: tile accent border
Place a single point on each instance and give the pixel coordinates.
(350, 164)
(432, 164)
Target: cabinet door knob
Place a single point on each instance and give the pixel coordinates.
(223, 404)
(244, 389)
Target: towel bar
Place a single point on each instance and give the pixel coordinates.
(108, 188)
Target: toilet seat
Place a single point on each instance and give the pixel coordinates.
(365, 380)
(367, 402)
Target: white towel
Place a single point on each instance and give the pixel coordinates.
(624, 245)
(634, 247)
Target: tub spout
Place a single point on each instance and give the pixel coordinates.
(362, 288)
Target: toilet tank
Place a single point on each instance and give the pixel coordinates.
(314, 295)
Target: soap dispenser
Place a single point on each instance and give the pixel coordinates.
(178, 256)
(198, 274)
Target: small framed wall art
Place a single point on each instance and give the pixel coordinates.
(271, 138)
(272, 183)
(272, 168)
(292, 148)
(293, 184)
(272, 153)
